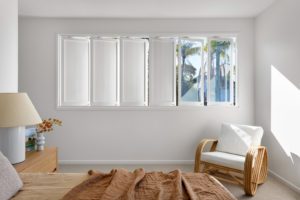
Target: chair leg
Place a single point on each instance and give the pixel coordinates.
(198, 159)
(264, 169)
(197, 166)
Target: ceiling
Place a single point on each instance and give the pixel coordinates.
(143, 8)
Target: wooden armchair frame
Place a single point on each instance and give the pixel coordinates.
(254, 173)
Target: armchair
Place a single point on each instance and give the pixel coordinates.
(236, 157)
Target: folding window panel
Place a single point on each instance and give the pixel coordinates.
(220, 70)
(133, 72)
(105, 64)
(191, 71)
(162, 72)
(74, 71)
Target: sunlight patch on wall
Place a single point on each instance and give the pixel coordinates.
(285, 112)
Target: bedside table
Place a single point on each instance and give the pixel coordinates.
(39, 161)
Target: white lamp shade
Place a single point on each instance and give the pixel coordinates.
(16, 109)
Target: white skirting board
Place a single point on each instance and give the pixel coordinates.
(284, 181)
(126, 162)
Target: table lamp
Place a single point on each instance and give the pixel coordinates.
(16, 112)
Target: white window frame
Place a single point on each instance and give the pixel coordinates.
(180, 101)
(236, 77)
(209, 102)
(182, 105)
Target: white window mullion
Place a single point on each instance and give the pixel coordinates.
(179, 71)
(202, 73)
(208, 71)
(91, 79)
(231, 74)
(233, 91)
(146, 70)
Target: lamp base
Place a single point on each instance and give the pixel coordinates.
(12, 143)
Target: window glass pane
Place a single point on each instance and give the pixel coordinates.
(191, 62)
(220, 71)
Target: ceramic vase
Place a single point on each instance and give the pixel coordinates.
(40, 141)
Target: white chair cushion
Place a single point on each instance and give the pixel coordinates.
(224, 159)
(237, 139)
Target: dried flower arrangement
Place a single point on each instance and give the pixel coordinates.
(47, 125)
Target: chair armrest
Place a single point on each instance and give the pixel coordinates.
(254, 156)
(255, 168)
(199, 151)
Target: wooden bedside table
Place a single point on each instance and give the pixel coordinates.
(39, 161)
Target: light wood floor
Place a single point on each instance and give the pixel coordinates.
(271, 190)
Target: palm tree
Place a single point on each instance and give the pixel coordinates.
(218, 48)
(187, 49)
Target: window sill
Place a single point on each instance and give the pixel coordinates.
(146, 108)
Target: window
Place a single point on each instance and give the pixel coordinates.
(221, 71)
(74, 71)
(105, 70)
(162, 83)
(97, 71)
(190, 57)
(134, 68)
(91, 74)
(207, 71)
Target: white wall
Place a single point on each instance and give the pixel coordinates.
(170, 135)
(278, 86)
(8, 45)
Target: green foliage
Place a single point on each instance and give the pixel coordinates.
(219, 47)
(188, 70)
(187, 49)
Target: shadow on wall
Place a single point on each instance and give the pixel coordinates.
(284, 140)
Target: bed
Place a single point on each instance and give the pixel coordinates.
(53, 186)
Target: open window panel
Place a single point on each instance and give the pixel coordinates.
(105, 71)
(162, 71)
(190, 71)
(134, 72)
(222, 71)
(73, 71)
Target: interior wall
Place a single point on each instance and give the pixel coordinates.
(8, 45)
(277, 88)
(129, 136)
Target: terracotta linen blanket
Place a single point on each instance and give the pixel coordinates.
(121, 184)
